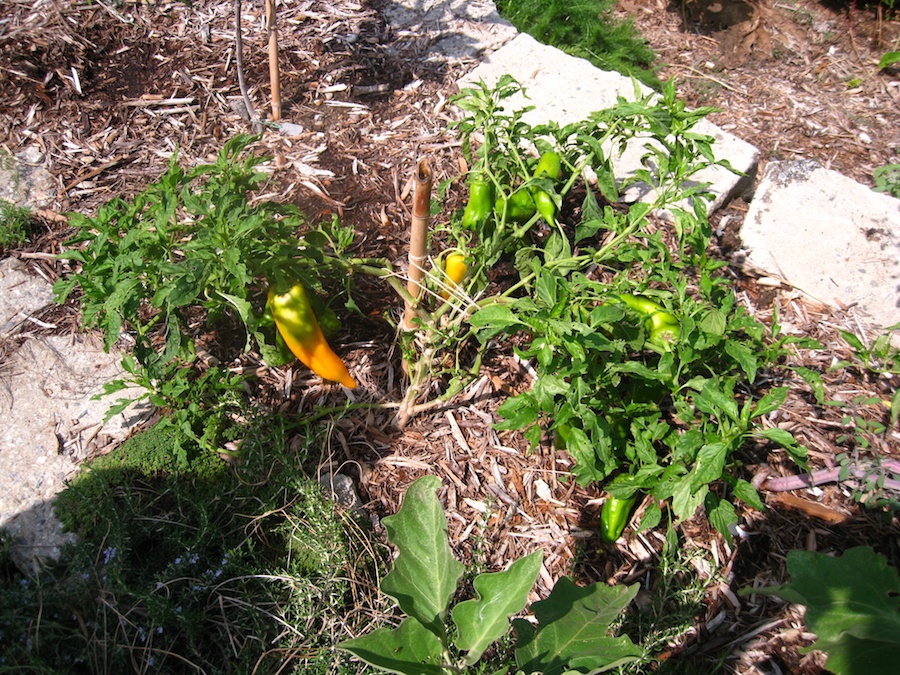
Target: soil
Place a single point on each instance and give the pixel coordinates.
(108, 94)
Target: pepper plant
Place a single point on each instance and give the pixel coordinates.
(646, 367)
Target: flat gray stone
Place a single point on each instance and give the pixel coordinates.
(567, 89)
(21, 294)
(46, 411)
(25, 180)
(455, 30)
(829, 236)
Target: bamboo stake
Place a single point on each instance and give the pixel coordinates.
(274, 73)
(418, 238)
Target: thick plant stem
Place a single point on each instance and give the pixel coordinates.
(418, 239)
(863, 471)
(274, 73)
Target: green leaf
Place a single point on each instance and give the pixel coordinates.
(710, 462)
(786, 440)
(722, 515)
(744, 356)
(748, 494)
(770, 402)
(425, 572)
(573, 630)
(685, 500)
(500, 595)
(496, 318)
(713, 401)
(888, 59)
(409, 649)
(851, 605)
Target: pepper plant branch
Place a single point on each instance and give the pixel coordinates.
(862, 471)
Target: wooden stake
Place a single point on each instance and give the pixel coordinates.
(418, 237)
(274, 73)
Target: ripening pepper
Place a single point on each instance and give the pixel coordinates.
(455, 269)
(480, 204)
(614, 517)
(548, 165)
(297, 325)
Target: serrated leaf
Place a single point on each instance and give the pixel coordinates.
(573, 627)
(483, 620)
(408, 649)
(425, 572)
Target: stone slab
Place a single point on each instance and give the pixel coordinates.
(21, 294)
(46, 411)
(566, 89)
(829, 236)
(450, 30)
(25, 180)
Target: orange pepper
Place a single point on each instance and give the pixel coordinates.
(297, 325)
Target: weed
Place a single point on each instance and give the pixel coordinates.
(14, 225)
(887, 179)
(585, 29)
(212, 567)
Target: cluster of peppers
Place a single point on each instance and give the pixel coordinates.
(664, 329)
(296, 323)
(521, 205)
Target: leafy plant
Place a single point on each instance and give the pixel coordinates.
(573, 623)
(851, 605)
(881, 358)
(586, 29)
(14, 222)
(887, 179)
(192, 242)
(659, 409)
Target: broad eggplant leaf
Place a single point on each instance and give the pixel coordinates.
(485, 619)
(408, 649)
(573, 630)
(425, 572)
(852, 605)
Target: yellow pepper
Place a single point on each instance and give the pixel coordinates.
(455, 268)
(297, 325)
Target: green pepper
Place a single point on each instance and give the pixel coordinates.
(297, 325)
(481, 202)
(548, 165)
(663, 325)
(519, 208)
(614, 517)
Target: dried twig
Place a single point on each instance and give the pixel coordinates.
(860, 472)
(239, 64)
